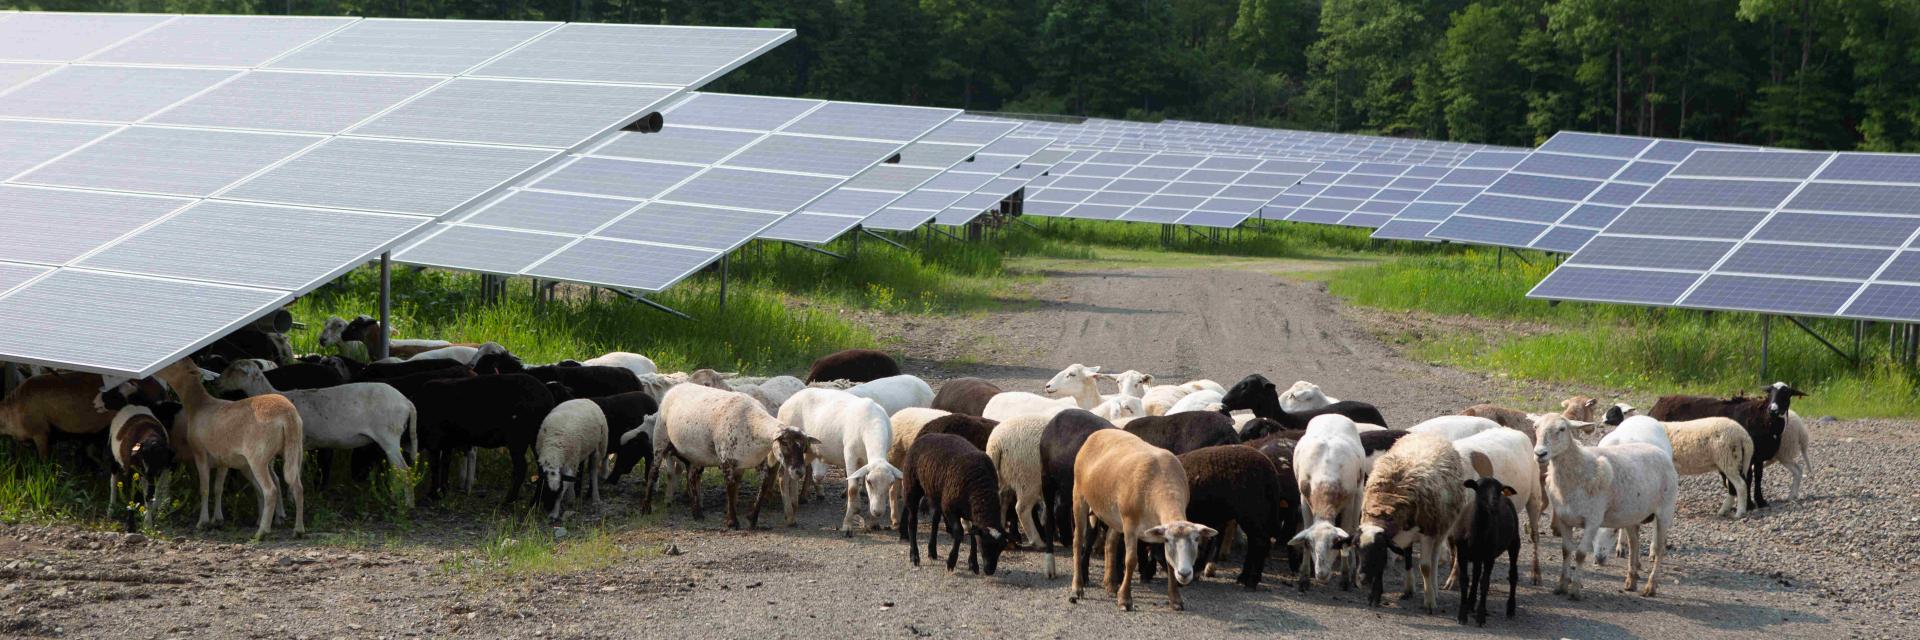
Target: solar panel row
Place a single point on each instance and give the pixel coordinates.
(903, 195)
(1168, 188)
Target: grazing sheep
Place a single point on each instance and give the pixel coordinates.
(958, 482)
(966, 396)
(1454, 427)
(140, 448)
(1060, 443)
(1796, 445)
(460, 414)
(1237, 484)
(1014, 447)
(54, 403)
(857, 365)
(627, 413)
(906, 426)
(1763, 418)
(1491, 527)
(1417, 493)
(770, 392)
(347, 416)
(1617, 486)
(703, 427)
(1509, 456)
(571, 450)
(853, 433)
(973, 429)
(1184, 432)
(1329, 466)
(1257, 394)
(895, 393)
(1305, 396)
(640, 365)
(220, 434)
(1139, 491)
(1198, 401)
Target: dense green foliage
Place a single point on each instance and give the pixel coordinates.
(1804, 73)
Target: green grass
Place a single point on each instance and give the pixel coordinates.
(1637, 350)
(1261, 240)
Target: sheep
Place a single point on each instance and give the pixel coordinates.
(857, 365)
(1014, 448)
(1184, 432)
(1510, 418)
(640, 365)
(1059, 446)
(1258, 428)
(973, 429)
(709, 378)
(380, 371)
(1416, 493)
(657, 384)
(140, 447)
(1763, 418)
(770, 392)
(573, 439)
(1237, 484)
(1255, 393)
(458, 353)
(853, 433)
(1578, 408)
(1714, 445)
(1795, 451)
(348, 416)
(54, 403)
(1328, 465)
(1615, 486)
(906, 425)
(627, 413)
(895, 393)
(1077, 381)
(329, 372)
(703, 427)
(1158, 400)
(1305, 396)
(585, 381)
(221, 434)
(1491, 527)
(1140, 492)
(1618, 413)
(1509, 456)
(1454, 427)
(1130, 383)
(1279, 451)
(1009, 404)
(958, 481)
(1639, 429)
(366, 332)
(967, 396)
(1197, 401)
(502, 410)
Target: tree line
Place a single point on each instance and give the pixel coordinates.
(1821, 74)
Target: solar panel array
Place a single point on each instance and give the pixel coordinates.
(961, 147)
(1566, 191)
(1167, 188)
(1459, 186)
(644, 211)
(1003, 187)
(169, 178)
(1221, 139)
(886, 194)
(1354, 194)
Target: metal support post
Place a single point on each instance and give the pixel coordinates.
(386, 306)
(723, 283)
(1766, 340)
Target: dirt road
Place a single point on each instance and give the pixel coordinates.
(1838, 565)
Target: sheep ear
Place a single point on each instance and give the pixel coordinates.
(1156, 535)
(1506, 491)
(1340, 534)
(860, 474)
(1146, 378)
(1471, 484)
(1207, 533)
(1299, 539)
(812, 440)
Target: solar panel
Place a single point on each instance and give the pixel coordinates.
(338, 138)
(629, 265)
(1355, 194)
(482, 249)
(1800, 233)
(1577, 183)
(953, 148)
(1168, 188)
(1458, 187)
(96, 321)
(616, 178)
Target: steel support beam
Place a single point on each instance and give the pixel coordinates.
(386, 306)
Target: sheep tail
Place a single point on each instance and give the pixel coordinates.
(413, 433)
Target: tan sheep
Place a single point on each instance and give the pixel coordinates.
(1714, 445)
(54, 401)
(218, 435)
(1140, 492)
(906, 426)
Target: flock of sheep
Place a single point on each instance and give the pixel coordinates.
(1162, 476)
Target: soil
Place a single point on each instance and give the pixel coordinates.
(1839, 563)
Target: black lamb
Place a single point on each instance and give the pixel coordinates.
(1255, 393)
(1185, 431)
(1233, 483)
(959, 482)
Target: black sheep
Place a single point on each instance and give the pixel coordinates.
(965, 396)
(625, 413)
(973, 429)
(1490, 528)
(1060, 443)
(328, 373)
(1258, 428)
(1255, 393)
(857, 365)
(589, 382)
(959, 482)
(1232, 483)
(1379, 441)
(486, 412)
(1764, 419)
(1185, 431)
(1279, 451)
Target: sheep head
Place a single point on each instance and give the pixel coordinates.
(878, 478)
(1554, 435)
(1071, 381)
(991, 542)
(1324, 540)
(1251, 392)
(331, 332)
(1618, 413)
(553, 483)
(1377, 538)
(1780, 398)
(1182, 540)
(790, 456)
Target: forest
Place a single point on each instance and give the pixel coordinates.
(1818, 74)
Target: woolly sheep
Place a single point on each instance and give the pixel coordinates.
(852, 433)
(895, 393)
(1010, 404)
(572, 436)
(1159, 399)
(1714, 445)
(640, 365)
(1764, 419)
(771, 392)
(1196, 401)
(857, 365)
(1643, 430)
(1617, 486)
(1796, 444)
(704, 427)
(1417, 493)
(957, 482)
(1454, 427)
(1327, 464)
(965, 395)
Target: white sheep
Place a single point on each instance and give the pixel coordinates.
(1204, 385)
(1014, 447)
(1454, 427)
(853, 433)
(457, 352)
(1305, 396)
(1643, 430)
(895, 393)
(1130, 383)
(1714, 445)
(706, 427)
(1077, 381)
(1009, 404)
(906, 426)
(572, 436)
(1796, 444)
(1510, 454)
(1616, 486)
(771, 392)
(1327, 464)
(1159, 399)
(1204, 400)
(640, 365)
(347, 416)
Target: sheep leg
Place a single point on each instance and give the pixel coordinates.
(397, 459)
(1483, 583)
(1513, 576)
(954, 531)
(269, 490)
(1566, 553)
(730, 471)
(1798, 472)
(156, 494)
(853, 498)
(973, 553)
(1406, 565)
(1756, 490)
(220, 495)
(1114, 574)
(1583, 548)
(1739, 497)
(933, 531)
(519, 456)
(1082, 550)
(1253, 567)
(200, 469)
(1023, 511)
(1148, 563)
(1052, 534)
(693, 491)
(1633, 558)
(1466, 597)
(1429, 574)
(1533, 534)
(1131, 546)
(1223, 546)
(290, 462)
(1659, 552)
(909, 527)
(324, 458)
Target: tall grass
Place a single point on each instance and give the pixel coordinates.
(1259, 239)
(1637, 350)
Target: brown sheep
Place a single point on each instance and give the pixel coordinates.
(1139, 491)
(967, 396)
(218, 435)
(857, 365)
(54, 402)
(974, 429)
